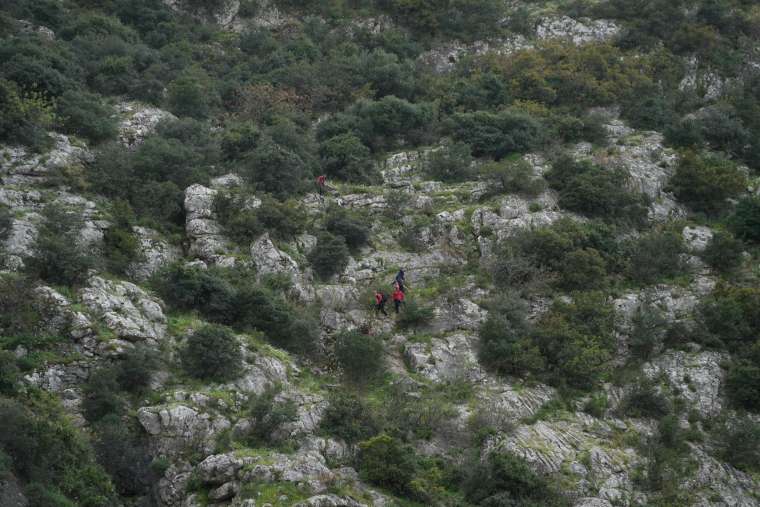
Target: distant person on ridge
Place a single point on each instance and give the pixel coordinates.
(380, 300)
(321, 179)
(401, 280)
(398, 298)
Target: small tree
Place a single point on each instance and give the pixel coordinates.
(212, 352)
(451, 163)
(386, 462)
(413, 315)
(353, 230)
(704, 183)
(361, 356)
(723, 252)
(745, 222)
(330, 256)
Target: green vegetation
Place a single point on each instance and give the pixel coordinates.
(360, 356)
(212, 353)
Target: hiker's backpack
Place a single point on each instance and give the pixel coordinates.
(385, 298)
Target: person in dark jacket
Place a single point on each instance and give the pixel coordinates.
(398, 298)
(380, 300)
(401, 280)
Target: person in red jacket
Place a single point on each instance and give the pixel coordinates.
(398, 298)
(380, 300)
(321, 179)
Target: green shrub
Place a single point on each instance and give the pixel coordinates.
(360, 356)
(191, 94)
(743, 378)
(58, 258)
(497, 135)
(414, 315)
(643, 400)
(648, 327)
(732, 315)
(597, 405)
(102, 395)
(82, 114)
(656, 256)
(345, 157)
(329, 256)
(745, 221)
(6, 222)
(268, 414)
(514, 177)
(24, 118)
(125, 457)
(596, 192)
(9, 373)
(120, 247)
(704, 183)
(276, 169)
(212, 352)
(348, 418)
(576, 340)
(723, 252)
(135, 369)
(505, 479)
(583, 269)
(283, 220)
(739, 444)
(352, 228)
(386, 462)
(451, 163)
(505, 342)
(48, 451)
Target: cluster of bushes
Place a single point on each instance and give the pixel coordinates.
(572, 344)
(234, 298)
(596, 192)
(243, 223)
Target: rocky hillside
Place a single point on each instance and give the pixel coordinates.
(571, 189)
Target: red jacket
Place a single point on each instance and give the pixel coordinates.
(398, 295)
(321, 180)
(378, 298)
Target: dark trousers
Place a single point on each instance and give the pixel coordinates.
(380, 307)
(398, 304)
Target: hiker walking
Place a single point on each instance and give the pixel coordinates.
(380, 300)
(398, 298)
(401, 280)
(321, 179)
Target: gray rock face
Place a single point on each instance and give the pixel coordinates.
(268, 259)
(204, 232)
(178, 429)
(20, 167)
(19, 244)
(697, 238)
(448, 358)
(702, 81)
(697, 377)
(139, 121)
(713, 478)
(125, 309)
(550, 445)
(444, 58)
(154, 253)
(578, 31)
(329, 500)
(11, 494)
(460, 314)
(260, 373)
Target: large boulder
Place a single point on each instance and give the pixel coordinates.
(125, 309)
(203, 231)
(581, 31)
(177, 429)
(18, 166)
(153, 253)
(138, 121)
(448, 358)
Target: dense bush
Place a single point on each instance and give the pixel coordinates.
(513, 176)
(704, 183)
(505, 479)
(745, 221)
(348, 417)
(268, 413)
(648, 328)
(9, 373)
(740, 444)
(414, 315)
(497, 135)
(656, 256)
(134, 370)
(329, 256)
(505, 340)
(102, 395)
(345, 157)
(583, 269)
(360, 356)
(243, 224)
(59, 257)
(120, 247)
(353, 228)
(24, 118)
(125, 456)
(212, 352)
(386, 462)
(596, 192)
(724, 252)
(451, 163)
(742, 381)
(276, 169)
(47, 451)
(577, 341)
(644, 400)
(6, 222)
(732, 315)
(82, 114)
